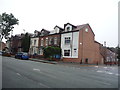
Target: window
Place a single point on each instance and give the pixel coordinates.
(86, 29)
(66, 52)
(34, 42)
(41, 51)
(75, 50)
(68, 28)
(55, 40)
(50, 40)
(46, 41)
(41, 41)
(67, 40)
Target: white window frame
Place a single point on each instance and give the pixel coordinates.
(66, 40)
(55, 40)
(68, 52)
(46, 41)
(42, 41)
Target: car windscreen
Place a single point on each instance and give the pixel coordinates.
(25, 54)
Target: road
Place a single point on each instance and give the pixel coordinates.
(29, 74)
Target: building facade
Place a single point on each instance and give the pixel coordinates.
(34, 45)
(78, 45)
(53, 38)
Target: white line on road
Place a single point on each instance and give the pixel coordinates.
(44, 85)
(109, 73)
(18, 74)
(105, 67)
(99, 71)
(36, 69)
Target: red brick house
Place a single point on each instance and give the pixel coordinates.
(51, 39)
(78, 45)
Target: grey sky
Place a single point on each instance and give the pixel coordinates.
(102, 15)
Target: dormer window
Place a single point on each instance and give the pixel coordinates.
(68, 28)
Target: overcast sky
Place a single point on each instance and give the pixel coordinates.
(102, 15)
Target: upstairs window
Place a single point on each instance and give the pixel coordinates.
(50, 40)
(41, 41)
(55, 40)
(42, 33)
(68, 28)
(46, 41)
(34, 42)
(66, 52)
(67, 40)
(86, 30)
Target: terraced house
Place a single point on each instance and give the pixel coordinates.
(51, 39)
(77, 43)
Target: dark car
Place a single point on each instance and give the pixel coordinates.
(8, 54)
(22, 55)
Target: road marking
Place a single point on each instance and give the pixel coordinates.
(18, 74)
(44, 85)
(109, 73)
(36, 69)
(105, 67)
(99, 71)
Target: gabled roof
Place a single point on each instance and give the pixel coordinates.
(69, 24)
(45, 30)
(78, 27)
(82, 26)
(58, 27)
(97, 42)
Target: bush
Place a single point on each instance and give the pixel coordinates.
(50, 52)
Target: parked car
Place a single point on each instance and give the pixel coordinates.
(22, 55)
(1, 52)
(8, 54)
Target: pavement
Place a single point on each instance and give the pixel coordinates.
(67, 63)
(29, 74)
(44, 61)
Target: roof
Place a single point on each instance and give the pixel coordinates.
(45, 30)
(78, 27)
(69, 24)
(58, 27)
(97, 42)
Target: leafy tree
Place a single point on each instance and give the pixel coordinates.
(25, 43)
(50, 52)
(6, 25)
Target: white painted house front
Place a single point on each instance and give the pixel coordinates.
(34, 45)
(69, 44)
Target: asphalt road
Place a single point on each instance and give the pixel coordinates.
(29, 74)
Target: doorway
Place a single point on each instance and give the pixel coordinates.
(86, 60)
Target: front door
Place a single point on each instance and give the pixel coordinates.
(86, 60)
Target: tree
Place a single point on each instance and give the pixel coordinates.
(26, 43)
(6, 25)
(50, 52)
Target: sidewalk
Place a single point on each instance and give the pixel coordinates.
(64, 63)
(71, 64)
(44, 61)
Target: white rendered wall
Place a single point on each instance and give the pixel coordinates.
(74, 44)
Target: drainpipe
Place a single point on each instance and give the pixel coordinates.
(71, 44)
